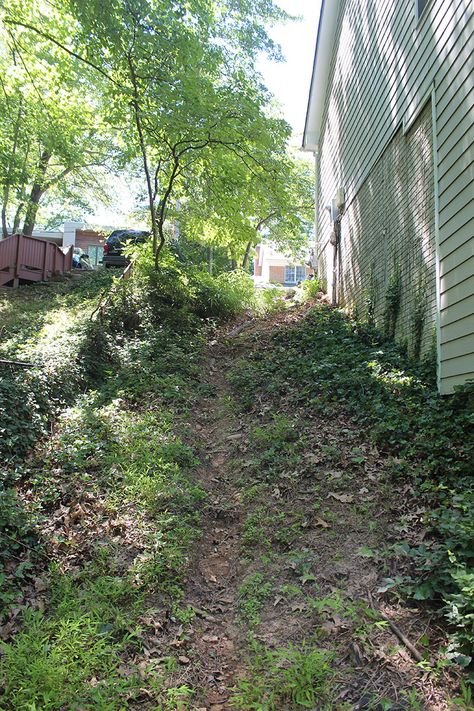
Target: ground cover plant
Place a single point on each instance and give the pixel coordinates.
(332, 364)
(98, 520)
(43, 325)
(211, 520)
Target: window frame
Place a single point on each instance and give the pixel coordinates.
(296, 275)
(289, 267)
(302, 273)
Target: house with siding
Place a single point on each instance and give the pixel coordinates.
(390, 121)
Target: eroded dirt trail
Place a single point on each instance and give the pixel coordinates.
(212, 585)
(298, 511)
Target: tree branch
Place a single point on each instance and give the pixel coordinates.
(50, 38)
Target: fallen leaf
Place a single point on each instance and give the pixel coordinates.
(344, 498)
(184, 660)
(299, 607)
(40, 584)
(320, 522)
(312, 457)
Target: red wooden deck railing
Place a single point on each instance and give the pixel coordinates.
(31, 259)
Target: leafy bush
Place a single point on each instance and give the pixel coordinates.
(224, 296)
(270, 300)
(310, 289)
(174, 288)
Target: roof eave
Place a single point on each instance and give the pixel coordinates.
(320, 75)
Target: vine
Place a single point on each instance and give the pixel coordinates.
(370, 297)
(418, 318)
(393, 301)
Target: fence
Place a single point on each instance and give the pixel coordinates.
(107, 296)
(31, 259)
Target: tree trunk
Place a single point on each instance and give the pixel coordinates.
(245, 260)
(163, 207)
(16, 221)
(36, 192)
(4, 212)
(155, 228)
(6, 191)
(209, 260)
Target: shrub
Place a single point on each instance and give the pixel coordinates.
(310, 289)
(224, 296)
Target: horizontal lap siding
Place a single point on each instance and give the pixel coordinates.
(383, 66)
(394, 230)
(455, 122)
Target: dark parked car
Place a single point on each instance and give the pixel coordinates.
(113, 247)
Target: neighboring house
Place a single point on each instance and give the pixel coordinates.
(90, 241)
(390, 121)
(272, 266)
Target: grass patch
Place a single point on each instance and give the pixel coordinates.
(252, 595)
(299, 676)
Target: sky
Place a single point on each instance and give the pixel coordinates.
(288, 81)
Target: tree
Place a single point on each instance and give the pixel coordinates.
(238, 208)
(183, 72)
(53, 132)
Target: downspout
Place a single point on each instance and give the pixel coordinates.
(336, 241)
(316, 201)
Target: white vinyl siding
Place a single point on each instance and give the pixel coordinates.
(386, 62)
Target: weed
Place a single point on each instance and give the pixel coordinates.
(465, 701)
(412, 699)
(255, 530)
(296, 676)
(252, 595)
(393, 300)
(52, 660)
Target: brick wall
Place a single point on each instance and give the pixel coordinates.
(277, 274)
(391, 221)
(84, 238)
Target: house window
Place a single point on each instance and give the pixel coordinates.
(420, 6)
(95, 253)
(294, 274)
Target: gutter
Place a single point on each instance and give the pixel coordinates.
(323, 54)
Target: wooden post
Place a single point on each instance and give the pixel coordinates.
(16, 280)
(45, 259)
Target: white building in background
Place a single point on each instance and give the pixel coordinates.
(272, 266)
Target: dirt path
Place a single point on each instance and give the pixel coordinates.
(284, 580)
(212, 585)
